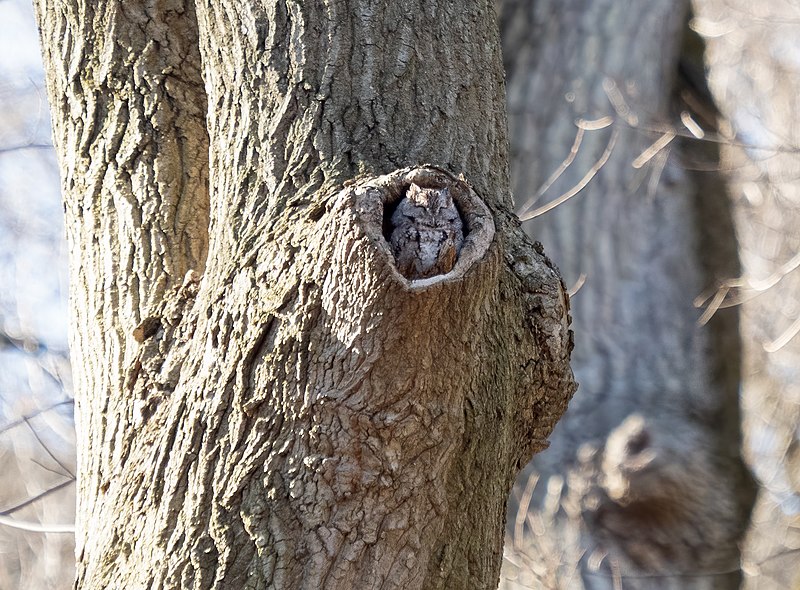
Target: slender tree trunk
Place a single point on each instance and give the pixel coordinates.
(264, 401)
(646, 464)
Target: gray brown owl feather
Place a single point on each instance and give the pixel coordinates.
(427, 233)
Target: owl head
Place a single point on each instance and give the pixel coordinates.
(433, 199)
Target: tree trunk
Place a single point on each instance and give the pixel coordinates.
(263, 400)
(646, 464)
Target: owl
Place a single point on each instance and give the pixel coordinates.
(427, 233)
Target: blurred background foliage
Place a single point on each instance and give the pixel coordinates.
(37, 433)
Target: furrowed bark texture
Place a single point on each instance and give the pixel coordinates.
(645, 465)
(300, 415)
(128, 109)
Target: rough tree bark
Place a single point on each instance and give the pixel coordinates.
(646, 464)
(262, 399)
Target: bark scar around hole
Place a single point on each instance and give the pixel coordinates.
(430, 225)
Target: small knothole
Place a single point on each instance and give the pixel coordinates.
(388, 211)
(425, 231)
(147, 328)
(429, 223)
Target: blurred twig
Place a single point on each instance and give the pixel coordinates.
(36, 527)
(37, 497)
(47, 450)
(26, 146)
(582, 184)
(27, 417)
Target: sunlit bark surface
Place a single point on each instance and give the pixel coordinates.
(263, 400)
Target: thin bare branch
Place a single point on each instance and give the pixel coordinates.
(559, 171)
(522, 511)
(786, 553)
(616, 573)
(716, 303)
(577, 286)
(595, 124)
(25, 146)
(617, 100)
(653, 150)
(581, 185)
(691, 125)
(784, 269)
(583, 125)
(716, 138)
(46, 468)
(27, 417)
(743, 290)
(47, 450)
(37, 497)
(784, 338)
(35, 527)
(656, 171)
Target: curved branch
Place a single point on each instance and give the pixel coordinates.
(36, 527)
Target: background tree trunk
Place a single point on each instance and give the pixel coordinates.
(645, 466)
(262, 399)
(755, 77)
